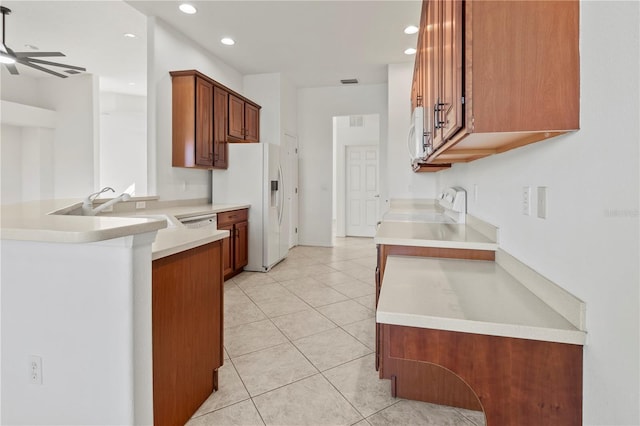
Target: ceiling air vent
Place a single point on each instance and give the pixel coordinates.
(349, 81)
(356, 121)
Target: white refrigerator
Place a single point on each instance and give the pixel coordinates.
(257, 176)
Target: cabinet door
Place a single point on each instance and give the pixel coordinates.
(451, 69)
(227, 250)
(241, 252)
(204, 123)
(220, 116)
(252, 123)
(186, 329)
(236, 117)
(430, 12)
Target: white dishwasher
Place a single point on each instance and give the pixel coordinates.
(208, 220)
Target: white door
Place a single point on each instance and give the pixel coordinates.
(362, 190)
(292, 146)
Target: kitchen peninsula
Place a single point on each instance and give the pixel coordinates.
(77, 297)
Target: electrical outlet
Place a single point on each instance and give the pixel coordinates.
(35, 370)
(526, 200)
(542, 202)
(140, 204)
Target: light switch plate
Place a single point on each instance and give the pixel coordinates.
(542, 202)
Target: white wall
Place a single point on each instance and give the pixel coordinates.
(11, 164)
(402, 181)
(123, 142)
(169, 50)
(316, 109)
(589, 243)
(265, 90)
(73, 305)
(76, 138)
(51, 163)
(345, 135)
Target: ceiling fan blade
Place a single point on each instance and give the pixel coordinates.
(12, 69)
(38, 67)
(36, 54)
(54, 64)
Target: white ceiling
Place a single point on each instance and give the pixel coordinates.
(89, 33)
(314, 43)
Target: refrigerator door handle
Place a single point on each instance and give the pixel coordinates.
(281, 191)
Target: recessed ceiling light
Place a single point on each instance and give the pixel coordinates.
(411, 29)
(187, 8)
(228, 41)
(410, 51)
(132, 83)
(129, 35)
(31, 46)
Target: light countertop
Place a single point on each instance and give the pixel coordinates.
(470, 296)
(441, 235)
(176, 238)
(33, 221)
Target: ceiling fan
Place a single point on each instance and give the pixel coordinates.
(9, 58)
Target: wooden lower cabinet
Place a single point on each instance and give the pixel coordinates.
(384, 250)
(236, 246)
(187, 324)
(514, 381)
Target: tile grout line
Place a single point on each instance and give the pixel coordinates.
(291, 342)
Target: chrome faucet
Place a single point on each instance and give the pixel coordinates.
(87, 203)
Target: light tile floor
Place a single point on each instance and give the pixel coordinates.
(299, 348)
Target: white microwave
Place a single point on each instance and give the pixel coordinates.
(416, 142)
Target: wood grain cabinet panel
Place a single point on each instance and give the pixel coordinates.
(244, 120)
(204, 123)
(236, 117)
(496, 75)
(220, 117)
(236, 246)
(187, 324)
(205, 117)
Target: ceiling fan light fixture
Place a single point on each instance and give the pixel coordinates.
(5, 57)
(9, 58)
(187, 8)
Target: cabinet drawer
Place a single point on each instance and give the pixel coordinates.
(233, 216)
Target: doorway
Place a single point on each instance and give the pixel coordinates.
(356, 140)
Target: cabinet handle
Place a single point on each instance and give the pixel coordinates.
(437, 108)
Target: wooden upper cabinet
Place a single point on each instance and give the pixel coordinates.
(220, 116)
(244, 120)
(204, 123)
(448, 108)
(497, 75)
(205, 117)
(236, 117)
(252, 123)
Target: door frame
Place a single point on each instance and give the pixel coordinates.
(293, 192)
